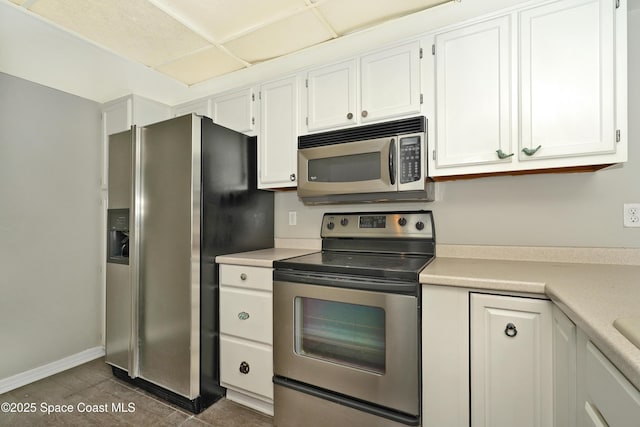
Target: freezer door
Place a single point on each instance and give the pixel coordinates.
(118, 275)
(168, 217)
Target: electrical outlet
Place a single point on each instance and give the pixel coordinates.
(632, 214)
(292, 217)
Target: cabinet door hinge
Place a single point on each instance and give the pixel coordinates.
(618, 135)
(617, 4)
(420, 53)
(260, 95)
(421, 99)
(253, 97)
(433, 154)
(306, 120)
(433, 49)
(306, 83)
(253, 120)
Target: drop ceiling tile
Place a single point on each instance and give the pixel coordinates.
(132, 28)
(224, 19)
(201, 66)
(280, 38)
(346, 16)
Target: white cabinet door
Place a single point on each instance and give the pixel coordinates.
(564, 370)
(235, 110)
(390, 82)
(473, 96)
(201, 107)
(277, 144)
(331, 96)
(608, 397)
(567, 79)
(511, 362)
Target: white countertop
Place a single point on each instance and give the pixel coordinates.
(262, 257)
(592, 295)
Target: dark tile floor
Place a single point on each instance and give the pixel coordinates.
(92, 387)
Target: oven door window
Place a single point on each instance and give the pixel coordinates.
(351, 168)
(347, 334)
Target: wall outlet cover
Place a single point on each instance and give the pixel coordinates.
(632, 214)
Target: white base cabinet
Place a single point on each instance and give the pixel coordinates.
(605, 396)
(511, 361)
(564, 370)
(477, 369)
(246, 354)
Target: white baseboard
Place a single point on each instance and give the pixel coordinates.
(35, 374)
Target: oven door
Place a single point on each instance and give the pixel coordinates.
(361, 344)
(349, 168)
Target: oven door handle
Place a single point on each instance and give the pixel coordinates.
(371, 284)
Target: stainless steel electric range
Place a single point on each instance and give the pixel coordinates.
(347, 323)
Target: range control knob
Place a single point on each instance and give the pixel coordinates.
(402, 221)
(344, 222)
(330, 225)
(420, 225)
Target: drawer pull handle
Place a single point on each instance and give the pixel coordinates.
(243, 276)
(510, 330)
(244, 368)
(243, 315)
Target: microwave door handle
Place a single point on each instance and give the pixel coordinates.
(392, 161)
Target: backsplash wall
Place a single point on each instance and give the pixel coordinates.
(559, 210)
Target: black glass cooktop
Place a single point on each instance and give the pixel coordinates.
(394, 266)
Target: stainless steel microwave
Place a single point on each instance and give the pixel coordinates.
(384, 161)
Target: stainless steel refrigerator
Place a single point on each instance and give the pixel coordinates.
(181, 192)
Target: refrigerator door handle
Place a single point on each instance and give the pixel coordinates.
(134, 251)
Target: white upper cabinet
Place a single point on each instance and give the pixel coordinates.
(332, 96)
(567, 79)
(278, 140)
(373, 87)
(236, 110)
(390, 82)
(473, 95)
(201, 107)
(540, 87)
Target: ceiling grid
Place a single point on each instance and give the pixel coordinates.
(194, 40)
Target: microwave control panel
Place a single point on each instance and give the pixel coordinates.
(410, 163)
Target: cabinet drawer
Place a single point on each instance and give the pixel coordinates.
(246, 314)
(246, 366)
(246, 277)
(612, 395)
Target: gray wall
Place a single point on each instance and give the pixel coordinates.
(561, 210)
(50, 289)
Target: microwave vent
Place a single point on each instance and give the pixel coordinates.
(361, 133)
